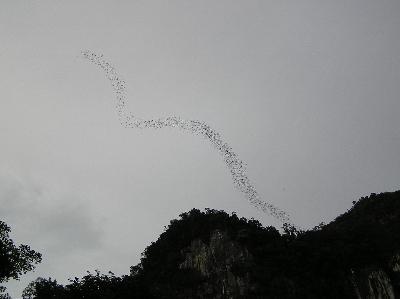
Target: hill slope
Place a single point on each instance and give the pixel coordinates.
(215, 255)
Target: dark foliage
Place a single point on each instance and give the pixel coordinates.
(14, 261)
(293, 264)
(91, 286)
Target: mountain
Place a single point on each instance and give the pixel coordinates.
(213, 254)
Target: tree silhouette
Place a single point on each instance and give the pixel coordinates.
(14, 261)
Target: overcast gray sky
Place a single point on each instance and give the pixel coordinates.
(305, 92)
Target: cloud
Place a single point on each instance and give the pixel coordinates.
(46, 220)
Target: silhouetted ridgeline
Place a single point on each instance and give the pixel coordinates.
(215, 255)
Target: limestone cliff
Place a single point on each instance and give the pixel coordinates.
(213, 254)
(355, 256)
(378, 283)
(215, 262)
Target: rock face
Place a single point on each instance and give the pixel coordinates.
(215, 261)
(378, 283)
(374, 284)
(394, 264)
(355, 256)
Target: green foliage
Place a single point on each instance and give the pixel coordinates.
(14, 261)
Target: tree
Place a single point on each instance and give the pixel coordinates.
(14, 261)
(91, 286)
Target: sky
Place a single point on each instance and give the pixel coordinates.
(305, 92)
